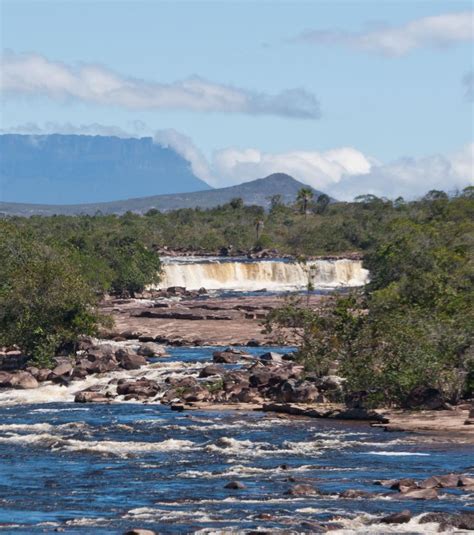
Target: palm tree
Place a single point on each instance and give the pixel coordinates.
(303, 198)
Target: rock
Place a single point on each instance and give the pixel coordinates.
(253, 343)
(235, 485)
(260, 378)
(420, 494)
(23, 381)
(181, 382)
(422, 397)
(465, 481)
(64, 368)
(443, 482)
(138, 389)
(225, 357)
(196, 393)
(13, 360)
(151, 349)
(211, 370)
(272, 356)
(301, 490)
(131, 361)
(90, 397)
(397, 518)
(446, 520)
(130, 335)
(406, 483)
(5, 379)
(353, 493)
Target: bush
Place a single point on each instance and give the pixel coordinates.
(45, 303)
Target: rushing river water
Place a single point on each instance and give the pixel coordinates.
(107, 468)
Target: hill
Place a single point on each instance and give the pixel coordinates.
(72, 169)
(254, 192)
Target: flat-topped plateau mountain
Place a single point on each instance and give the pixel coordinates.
(71, 169)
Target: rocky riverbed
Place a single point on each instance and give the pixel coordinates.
(181, 318)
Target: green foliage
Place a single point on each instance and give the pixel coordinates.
(45, 303)
(412, 325)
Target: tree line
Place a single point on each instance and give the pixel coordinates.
(410, 326)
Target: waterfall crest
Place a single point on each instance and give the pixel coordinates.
(273, 275)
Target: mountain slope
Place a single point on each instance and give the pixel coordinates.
(67, 169)
(255, 192)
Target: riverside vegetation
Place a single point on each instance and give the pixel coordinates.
(405, 337)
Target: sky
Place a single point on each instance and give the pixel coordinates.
(351, 97)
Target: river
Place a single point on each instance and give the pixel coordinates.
(103, 469)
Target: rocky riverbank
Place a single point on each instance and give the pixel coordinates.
(178, 317)
(133, 371)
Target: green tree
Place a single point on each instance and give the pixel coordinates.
(303, 198)
(45, 303)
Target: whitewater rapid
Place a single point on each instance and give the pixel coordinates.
(272, 275)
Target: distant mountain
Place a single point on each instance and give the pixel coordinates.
(255, 192)
(72, 169)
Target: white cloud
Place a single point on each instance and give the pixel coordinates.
(345, 173)
(435, 31)
(33, 74)
(411, 178)
(318, 169)
(184, 146)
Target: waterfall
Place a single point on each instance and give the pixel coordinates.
(273, 275)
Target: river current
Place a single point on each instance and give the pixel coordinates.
(103, 469)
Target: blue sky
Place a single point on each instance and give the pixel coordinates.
(399, 107)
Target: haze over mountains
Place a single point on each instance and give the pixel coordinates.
(70, 174)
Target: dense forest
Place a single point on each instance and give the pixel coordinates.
(409, 328)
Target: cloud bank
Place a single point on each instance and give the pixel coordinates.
(343, 173)
(438, 31)
(33, 75)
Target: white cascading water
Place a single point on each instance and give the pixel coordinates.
(273, 275)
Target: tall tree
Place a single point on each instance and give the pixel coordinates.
(303, 198)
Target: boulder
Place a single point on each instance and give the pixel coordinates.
(13, 360)
(420, 494)
(353, 493)
(235, 485)
(181, 382)
(272, 356)
(141, 388)
(397, 518)
(5, 379)
(406, 483)
(225, 357)
(151, 349)
(463, 521)
(23, 381)
(465, 481)
(195, 393)
(211, 370)
(64, 368)
(131, 361)
(302, 489)
(90, 397)
(448, 481)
